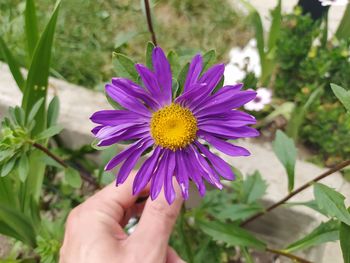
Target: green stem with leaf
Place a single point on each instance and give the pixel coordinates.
(336, 168)
(45, 150)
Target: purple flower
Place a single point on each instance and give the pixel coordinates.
(174, 128)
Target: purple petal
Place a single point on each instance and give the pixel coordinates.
(194, 71)
(213, 76)
(224, 93)
(194, 172)
(207, 172)
(132, 133)
(225, 103)
(229, 132)
(190, 98)
(107, 131)
(96, 129)
(130, 162)
(158, 176)
(136, 91)
(181, 174)
(163, 73)
(168, 184)
(145, 173)
(219, 164)
(224, 146)
(150, 81)
(123, 155)
(233, 118)
(115, 117)
(126, 101)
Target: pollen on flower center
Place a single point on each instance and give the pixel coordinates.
(173, 127)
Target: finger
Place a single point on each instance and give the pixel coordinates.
(114, 200)
(173, 257)
(157, 221)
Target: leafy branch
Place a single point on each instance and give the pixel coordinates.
(45, 150)
(336, 168)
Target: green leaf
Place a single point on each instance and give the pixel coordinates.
(113, 103)
(342, 95)
(34, 110)
(344, 236)
(20, 115)
(310, 204)
(298, 115)
(53, 111)
(239, 211)
(13, 64)
(124, 37)
(275, 25)
(23, 167)
(175, 87)
(208, 59)
(182, 78)
(18, 223)
(230, 234)
(325, 232)
(174, 61)
(286, 152)
(52, 131)
(258, 28)
(72, 177)
(149, 49)
(331, 202)
(124, 66)
(8, 167)
(31, 27)
(254, 187)
(38, 74)
(343, 31)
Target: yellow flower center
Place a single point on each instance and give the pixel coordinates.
(173, 127)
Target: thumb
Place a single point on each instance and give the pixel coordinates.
(157, 221)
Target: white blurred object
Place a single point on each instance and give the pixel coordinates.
(262, 98)
(242, 61)
(334, 2)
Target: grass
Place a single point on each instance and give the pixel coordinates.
(89, 30)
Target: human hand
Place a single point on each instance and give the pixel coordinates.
(94, 230)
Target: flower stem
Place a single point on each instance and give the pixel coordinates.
(45, 150)
(149, 22)
(285, 254)
(336, 168)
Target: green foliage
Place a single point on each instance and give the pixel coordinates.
(344, 236)
(124, 67)
(342, 95)
(286, 152)
(83, 54)
(303, 68)
(343, 28)
(230, 234)
(325, 232)
(331, 202)
(13, 64)
(31, 27)
(266, 48)
(72, 177)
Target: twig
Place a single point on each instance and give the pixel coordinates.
(336, 168)
(45, 150)
(149, 22)
(285, 254)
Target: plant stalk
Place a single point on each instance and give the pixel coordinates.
(45, 150)
(336, 168)
(285, 254)
(149, 22)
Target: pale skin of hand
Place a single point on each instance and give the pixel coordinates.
(94, 230)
